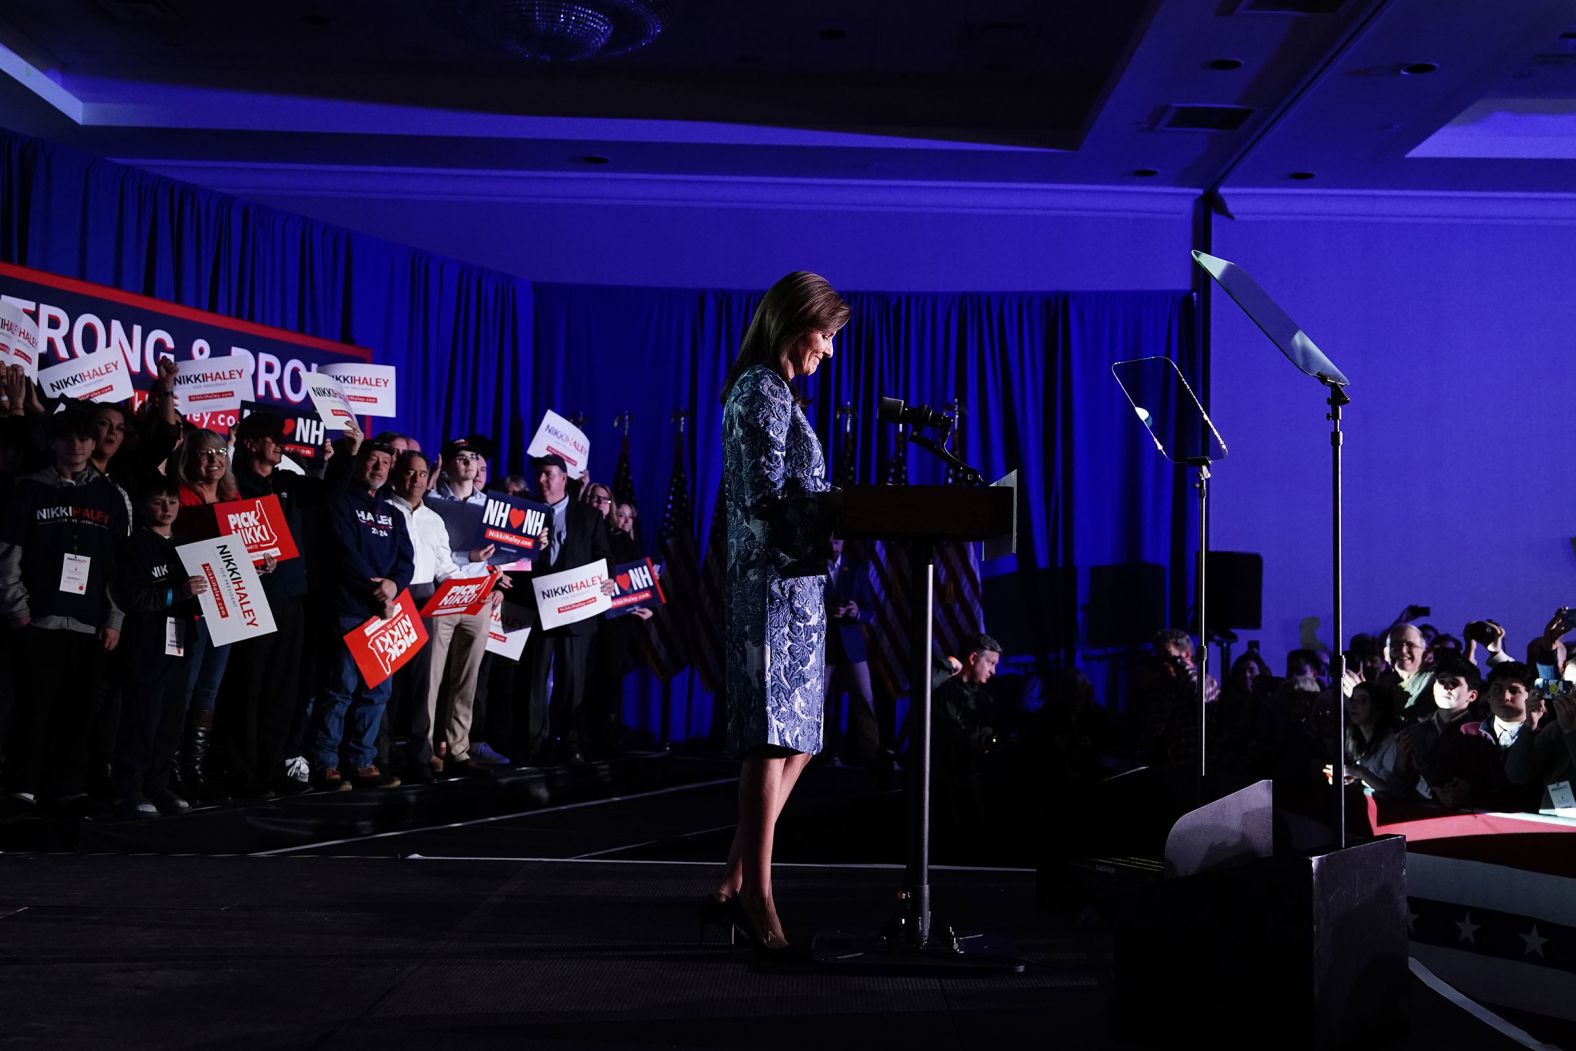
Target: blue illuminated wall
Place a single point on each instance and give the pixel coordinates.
(1455, 319)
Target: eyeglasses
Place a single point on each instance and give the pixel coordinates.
(211, 454)
(608, 500)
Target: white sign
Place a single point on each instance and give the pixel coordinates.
(571, 596)
(328, 398)
(234, 606)
(92, 377)
(558, 435)
(18, 339)
(368, 388)
(507, 631)
(213, 384)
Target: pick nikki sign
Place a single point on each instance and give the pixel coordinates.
(259, 523)
(460, 596)
(513, 524)
(382, 647)
(638, 588)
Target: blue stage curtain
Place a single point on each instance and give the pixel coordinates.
(485, 352)
(1030, 370)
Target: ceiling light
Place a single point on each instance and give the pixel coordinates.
(1300, 176)
(571, 30)
(1418, 69)
(1224, 65)
(1146, 173)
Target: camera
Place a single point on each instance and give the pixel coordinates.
(1480, 631)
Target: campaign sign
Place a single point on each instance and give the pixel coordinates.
(510, 627)
(213, 384)
(328, 397)
(234, 606)
(369, 388)
(382, 647)
(18, 339)
(558, 435)
(571, 596)
(97, 377)
(460, 596)
(259, 523)
(75, 319)
(513, 523)
(638, 588)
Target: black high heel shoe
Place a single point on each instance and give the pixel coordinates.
(713, 912)
(739, 916)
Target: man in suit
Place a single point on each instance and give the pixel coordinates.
(576, 535)
(850, 604)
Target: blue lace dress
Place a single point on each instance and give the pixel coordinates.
(775, 626)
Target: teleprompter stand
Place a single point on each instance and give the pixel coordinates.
(917, 517)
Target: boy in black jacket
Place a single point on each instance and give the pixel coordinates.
(59, 537)
(160, 604)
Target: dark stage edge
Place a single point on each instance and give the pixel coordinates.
(300, 951)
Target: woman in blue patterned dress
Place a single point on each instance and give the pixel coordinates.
(774, 481)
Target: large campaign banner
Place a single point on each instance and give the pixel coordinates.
(76, 319)
(234, 606)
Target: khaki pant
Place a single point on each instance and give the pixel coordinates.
(457, 647)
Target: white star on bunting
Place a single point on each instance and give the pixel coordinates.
(1534, 942)
(1468, 929)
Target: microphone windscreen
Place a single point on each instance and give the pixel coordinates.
(891, 410)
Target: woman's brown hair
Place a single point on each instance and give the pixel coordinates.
(799, 303)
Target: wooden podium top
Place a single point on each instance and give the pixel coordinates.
(925, 512)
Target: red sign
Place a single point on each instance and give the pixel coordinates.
(460, 596)
(382, 647)
(260, 524)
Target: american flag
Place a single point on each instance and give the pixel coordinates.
(889, 635)
(958, 613)
(670, 649)
(623, 474)
(713, 587)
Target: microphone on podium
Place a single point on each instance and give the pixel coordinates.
(892, 410)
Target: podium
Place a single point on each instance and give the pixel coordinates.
(917, 517)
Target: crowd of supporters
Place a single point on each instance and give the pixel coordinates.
(115, 699)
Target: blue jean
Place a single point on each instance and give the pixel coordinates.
(205, 664)
(349, 712)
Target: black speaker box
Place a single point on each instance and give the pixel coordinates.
(1127, 604)
(1236, 589)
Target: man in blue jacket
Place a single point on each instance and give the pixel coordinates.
(372, 563)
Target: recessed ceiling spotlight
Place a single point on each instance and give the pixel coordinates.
(1225, 65)
(593, 158)
(1418, 69)
(1300, 176)
(833, 34)
(1569, 34)
(1146, 173)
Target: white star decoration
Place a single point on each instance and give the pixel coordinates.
(1468, 929)
(1411, 922)
(1534, 942)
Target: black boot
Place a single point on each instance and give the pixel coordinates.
(196, 772)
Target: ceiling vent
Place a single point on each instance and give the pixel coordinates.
(1201, 118)
(1290, 7)
(139, 12)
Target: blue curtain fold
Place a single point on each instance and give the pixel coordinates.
(480, 351)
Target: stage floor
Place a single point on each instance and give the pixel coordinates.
(570, 925)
